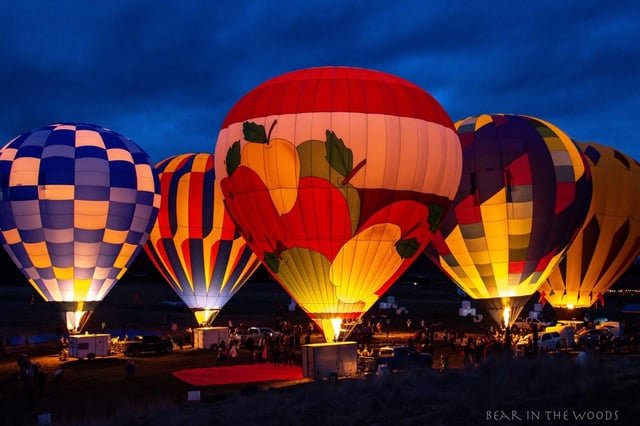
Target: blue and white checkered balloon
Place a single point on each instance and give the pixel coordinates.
(77, 202)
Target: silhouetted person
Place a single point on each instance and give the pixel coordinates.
(444, 363)
(130, 368)
(23, 363)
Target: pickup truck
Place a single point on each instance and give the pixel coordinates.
(397, 358)
(145, 344)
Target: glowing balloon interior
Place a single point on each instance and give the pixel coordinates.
(609, 241)
(78, 201)
(337, 178)
(194, 243)
(524, 193)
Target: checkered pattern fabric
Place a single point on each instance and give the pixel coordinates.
(524, 193)
(194, 243)
(77, 203)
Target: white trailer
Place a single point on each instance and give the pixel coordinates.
(89, 345)
(210, 337)
(329, 360)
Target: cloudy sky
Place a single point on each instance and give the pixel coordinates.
(164, 73)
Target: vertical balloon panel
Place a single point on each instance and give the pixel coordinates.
(194, 244)
(609, 240)
(337, 178)
(524, 192)
(78, 201)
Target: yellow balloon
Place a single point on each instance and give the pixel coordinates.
(609, 240)
(524, 193)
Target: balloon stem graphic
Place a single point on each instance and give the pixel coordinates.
(409, 231)
(353, 172)
(271, 130)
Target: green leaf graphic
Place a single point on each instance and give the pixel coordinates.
(233, 158)
(407, 248)
(338, 155)
(273, 261)
(254, 132)
(435, 216)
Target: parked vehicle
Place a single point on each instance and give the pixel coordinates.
(396, 358)
(573, 322)
(210, 337)
(252, 335)
(89, 345)
(567, 334)
(614, 327)
(590, 338)
(528, 322)
(329, 360)
(547, 341)
(145, 344)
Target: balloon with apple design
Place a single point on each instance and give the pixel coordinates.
(337, 178)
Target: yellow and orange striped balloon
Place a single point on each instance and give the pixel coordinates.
(609, 240)
(193, 243)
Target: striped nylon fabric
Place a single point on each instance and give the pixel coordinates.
(337, 178)
(77, 202)
(609, 241)
(524, 193)
(194, 243)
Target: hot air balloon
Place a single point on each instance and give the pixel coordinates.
(194, 243)
(337, 177)
(524, 193)
(609, 240)
(77, 204)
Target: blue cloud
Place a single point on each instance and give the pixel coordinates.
(166, 73)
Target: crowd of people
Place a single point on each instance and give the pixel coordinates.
(33, 377)
(284, 346)
(279, 348)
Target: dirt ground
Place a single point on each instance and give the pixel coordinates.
(142, 303)
(139, 304)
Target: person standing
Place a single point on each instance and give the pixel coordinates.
(130, 368)
(233, 354)
(444, 363)
(64, 348)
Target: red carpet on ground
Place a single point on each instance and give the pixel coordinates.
(245, 373)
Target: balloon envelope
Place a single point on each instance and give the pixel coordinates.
(78, 201)
(609, 241)
(194, 243)
(525, 191)
(337, 178)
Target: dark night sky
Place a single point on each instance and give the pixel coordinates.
(164, 73)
